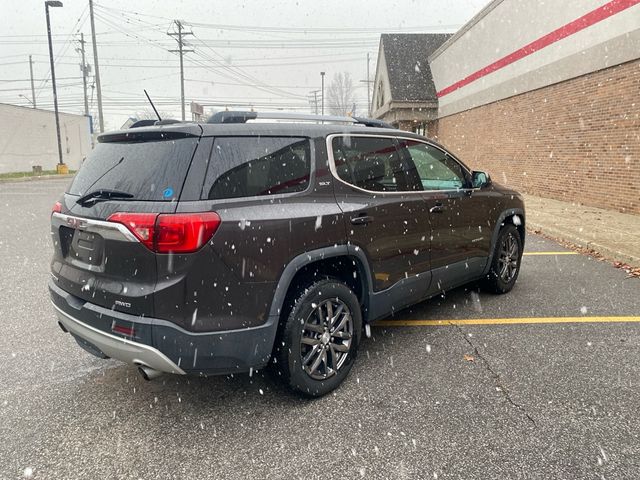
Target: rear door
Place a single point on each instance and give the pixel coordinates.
(102, 261)
(385, 213)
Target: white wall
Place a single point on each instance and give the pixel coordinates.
(381, 78)
(28, 138)
(508, 25)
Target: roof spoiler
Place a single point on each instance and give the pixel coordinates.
(151, 122)
(244, 117)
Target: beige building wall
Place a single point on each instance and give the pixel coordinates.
(28, 138)
(516, 46)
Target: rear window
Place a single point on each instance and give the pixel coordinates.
(256, 166)
(153, 170)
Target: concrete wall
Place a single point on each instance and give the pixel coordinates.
(515, 46)
(28, 138)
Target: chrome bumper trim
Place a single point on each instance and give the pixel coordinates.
(119, 348)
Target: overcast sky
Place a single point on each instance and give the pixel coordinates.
(268, 54)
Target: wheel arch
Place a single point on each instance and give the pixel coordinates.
(344, 262)
(508, 216)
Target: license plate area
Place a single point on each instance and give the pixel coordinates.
(85, 247)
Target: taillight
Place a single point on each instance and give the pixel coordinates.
(142, 225)
(170, 233)
(57, 208)
(185, 232)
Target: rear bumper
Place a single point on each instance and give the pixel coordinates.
(117, 347)
(160, 344)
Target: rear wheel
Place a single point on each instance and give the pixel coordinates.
(505, 264)
(318, 341)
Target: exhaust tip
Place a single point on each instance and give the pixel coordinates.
(148, 373)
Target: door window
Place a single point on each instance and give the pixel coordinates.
(371, 163)
(436, 169)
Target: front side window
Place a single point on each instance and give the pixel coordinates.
(370, 163)
(436, 169)
(257, 166)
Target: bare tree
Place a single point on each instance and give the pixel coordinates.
(340, 94)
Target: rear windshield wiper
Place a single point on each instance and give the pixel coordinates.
(101, 196)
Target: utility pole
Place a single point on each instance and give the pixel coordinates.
(315, 100)
(33, 90)
(85, 72)
(179, 34)
(368, 91)
(322, 98)
(368, 81)
(96, 66)
(47, 4)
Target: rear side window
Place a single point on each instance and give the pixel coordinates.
(371, 163)
(257, 166)
(153, 170)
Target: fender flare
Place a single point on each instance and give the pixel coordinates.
(304, 259)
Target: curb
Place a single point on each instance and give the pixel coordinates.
(608, 252)
(35, 178)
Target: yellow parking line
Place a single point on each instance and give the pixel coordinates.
(550, 253)
(503, 321)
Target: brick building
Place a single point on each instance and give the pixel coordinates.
(546, 98)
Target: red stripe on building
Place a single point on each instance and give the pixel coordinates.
(605, 11)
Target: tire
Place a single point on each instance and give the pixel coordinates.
(505, 262)
(310, 357)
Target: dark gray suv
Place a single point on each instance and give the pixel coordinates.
(226, 246)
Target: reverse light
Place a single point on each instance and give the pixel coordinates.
(170, 233)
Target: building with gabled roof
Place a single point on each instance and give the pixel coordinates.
(404, 94)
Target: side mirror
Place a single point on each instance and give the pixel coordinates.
(480, 179)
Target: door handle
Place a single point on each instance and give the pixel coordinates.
(437, 208)
(361, 220)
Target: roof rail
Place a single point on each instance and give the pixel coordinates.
(372, 122)
(243, 117)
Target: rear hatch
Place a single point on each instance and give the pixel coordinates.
(137, 173)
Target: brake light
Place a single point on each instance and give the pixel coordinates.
(170, 233)
(57, 208)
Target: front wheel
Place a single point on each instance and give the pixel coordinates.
(318, 342)
(505, 264)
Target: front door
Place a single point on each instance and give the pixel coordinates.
(457, 239)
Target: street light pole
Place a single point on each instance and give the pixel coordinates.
(47, 4)
(322, 96)
(33, 90)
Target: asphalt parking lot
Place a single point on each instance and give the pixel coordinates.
(469, 386)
